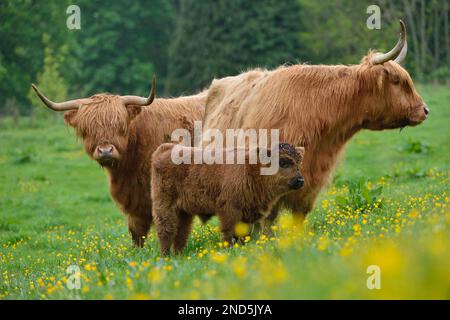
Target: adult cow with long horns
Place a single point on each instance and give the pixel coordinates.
(121, 133)
(319, 107)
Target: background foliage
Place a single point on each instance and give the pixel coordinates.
(187, 42)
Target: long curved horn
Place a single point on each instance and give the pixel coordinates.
(140, 101)
(58, 106)
(381, 58)
(402, 54)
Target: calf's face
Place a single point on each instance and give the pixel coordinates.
(289, 176)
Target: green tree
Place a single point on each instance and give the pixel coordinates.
(224, 37)
(335, 32)
(49, 80)
(121, 44)
(22, 25)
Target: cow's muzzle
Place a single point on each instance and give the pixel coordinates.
(105, 154)
(419, 115)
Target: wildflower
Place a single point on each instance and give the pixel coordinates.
(41, 282)
(388, 257)
(219, 257)
(90, 267)
(129, 283)
(345, 251)
(323, 243)
(51, 289)
(140, 296)
(241, 229)
(155, 275)
(272, 272)
(239, 267)
(168, 268)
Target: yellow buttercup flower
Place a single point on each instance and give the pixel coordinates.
(239, 267)
(241, 229)
(155, 275)
(219, 257)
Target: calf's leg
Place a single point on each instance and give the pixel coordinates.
(265, 225)
(228, 219)
(166, 222)
(184, 228)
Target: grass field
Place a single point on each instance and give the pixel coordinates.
(388, 206)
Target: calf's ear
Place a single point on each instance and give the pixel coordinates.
(69, 117)
(133, 112)
(300, 151)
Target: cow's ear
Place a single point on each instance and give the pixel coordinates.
(300, 151)
(133, 112)
(69, 117)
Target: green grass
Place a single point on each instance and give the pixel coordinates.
(55, 211)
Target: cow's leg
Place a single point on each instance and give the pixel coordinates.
(166, 223)
(184, 228)
(138, 227)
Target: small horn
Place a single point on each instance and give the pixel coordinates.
(57, 106)
(402, 54)
(382, 58)
(140, 101)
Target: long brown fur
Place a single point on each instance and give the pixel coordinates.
(317, 106)
(135, 132)
(233, 192)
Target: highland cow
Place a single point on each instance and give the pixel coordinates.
(319, 107)
(121, 133)
(233, 192)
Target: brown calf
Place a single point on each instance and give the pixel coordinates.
(235, 192)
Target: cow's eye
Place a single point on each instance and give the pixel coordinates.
(396, 80)
(285, 163)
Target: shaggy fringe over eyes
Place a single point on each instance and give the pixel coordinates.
(104, 112)
(289, 149)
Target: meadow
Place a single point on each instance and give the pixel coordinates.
(387, 206)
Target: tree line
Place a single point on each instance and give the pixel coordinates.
(187, 43)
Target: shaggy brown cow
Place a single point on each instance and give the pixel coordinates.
(123, 143)
(319, 107)
(235, 192)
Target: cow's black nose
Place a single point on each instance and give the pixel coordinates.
(426, 110)
(105, 151)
